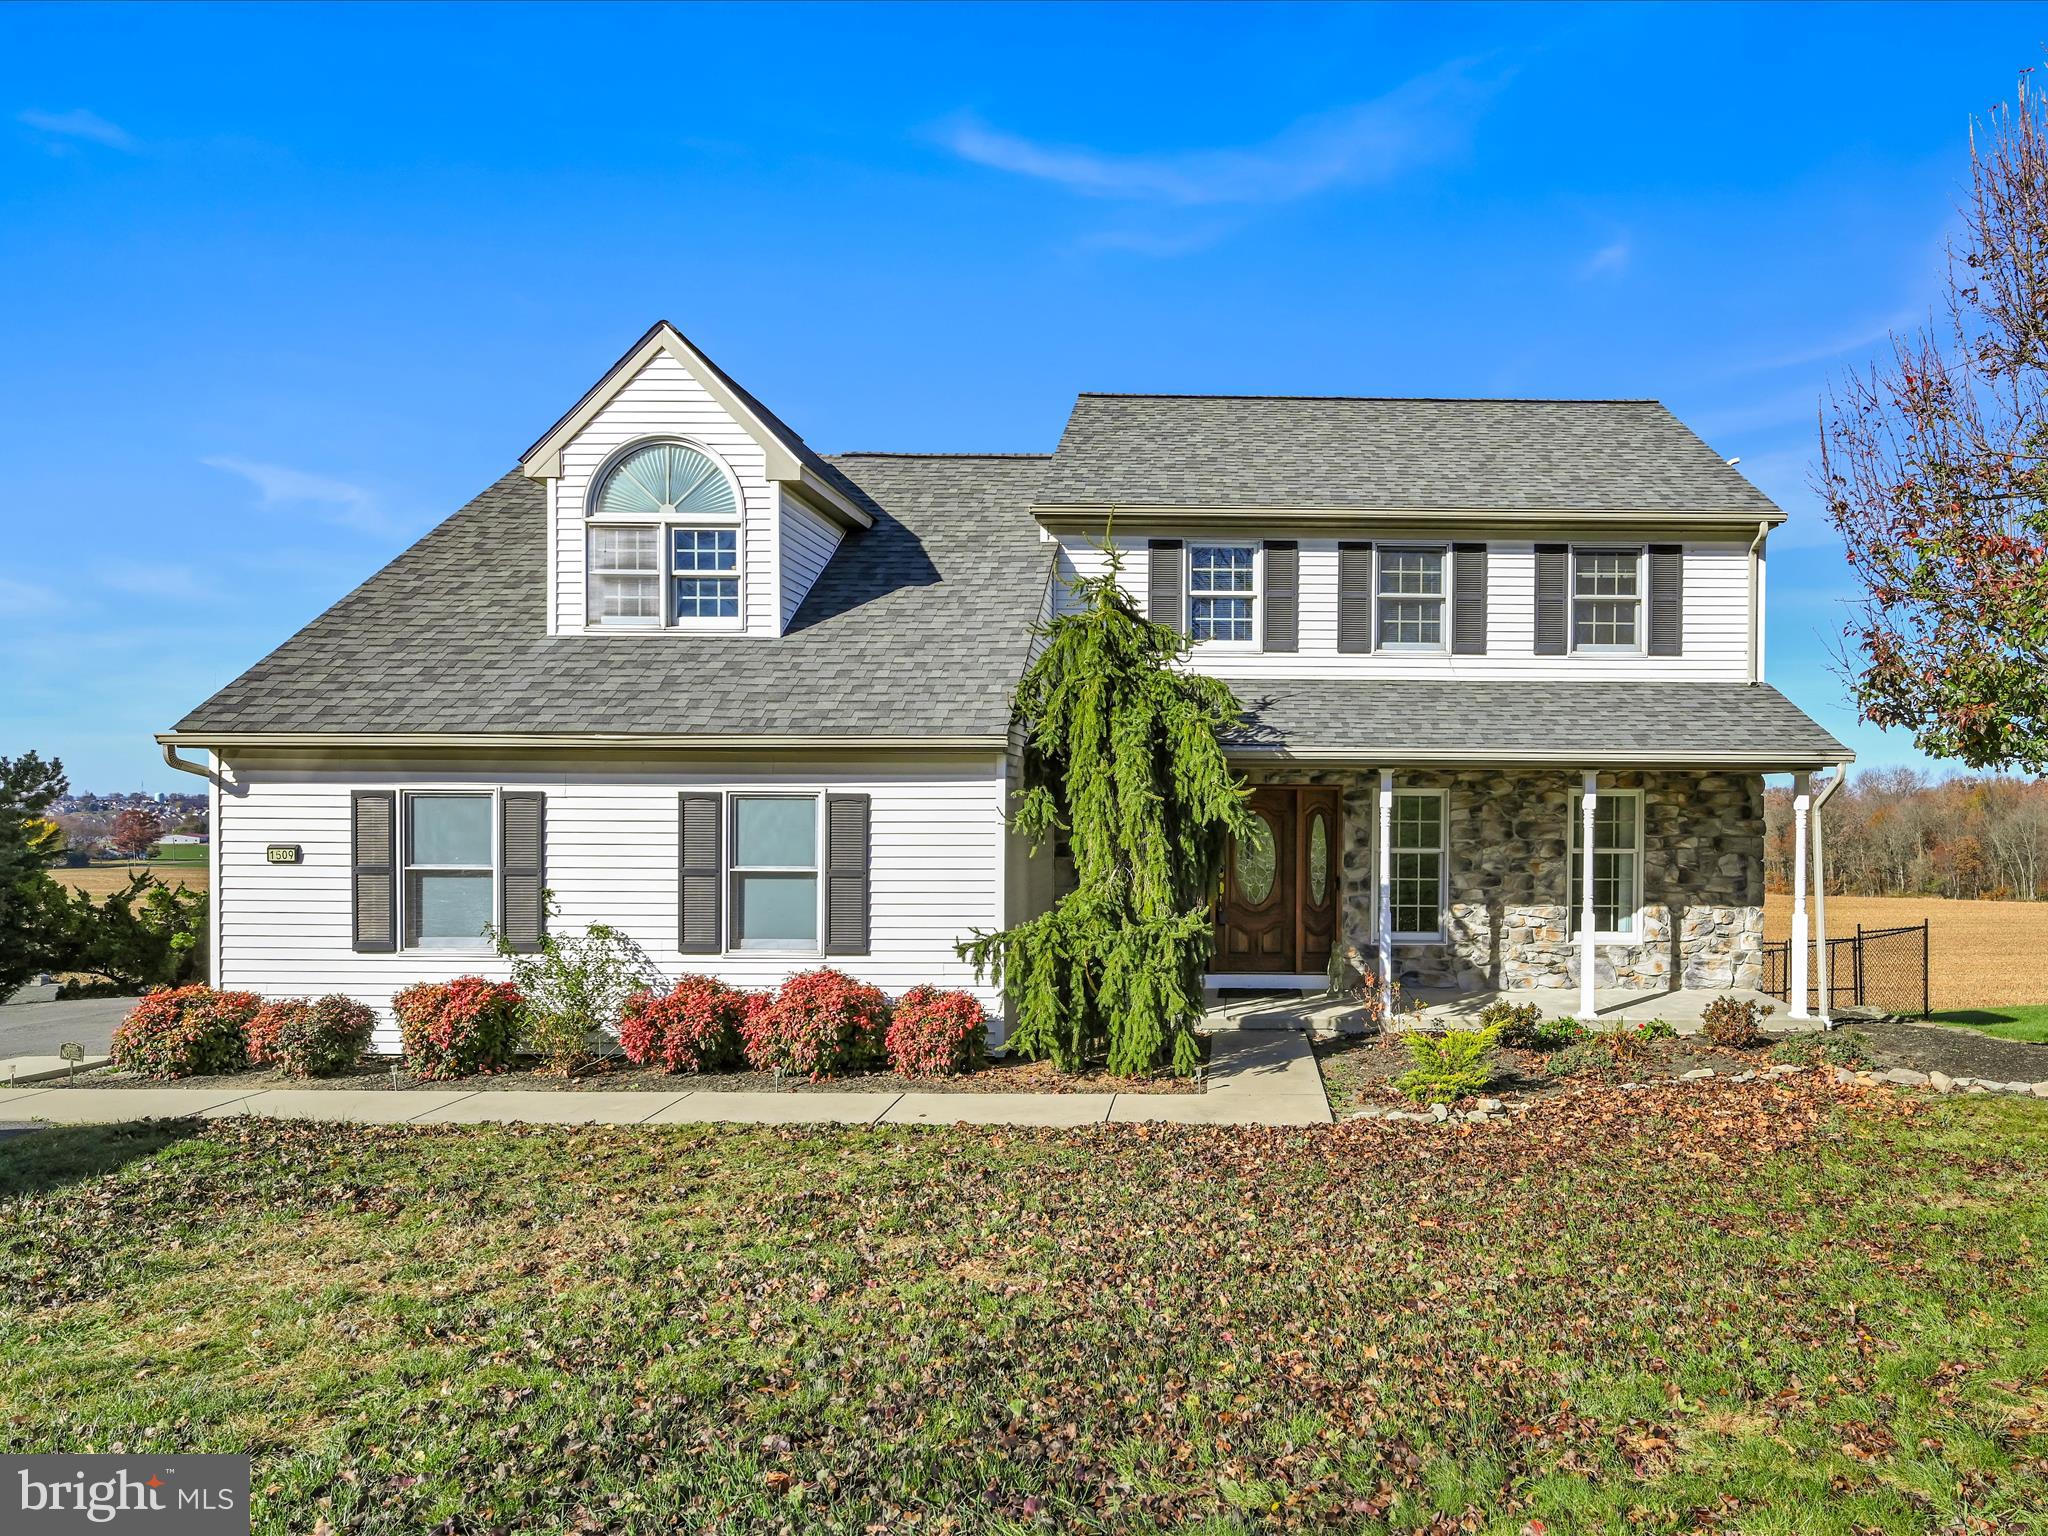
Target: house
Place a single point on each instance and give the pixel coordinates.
(1502, 660)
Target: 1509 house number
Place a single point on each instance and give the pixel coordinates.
(284, 853)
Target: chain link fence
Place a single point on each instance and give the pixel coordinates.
(1884, 968)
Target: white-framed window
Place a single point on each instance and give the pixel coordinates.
(1223, 593)
(663, 541)
(1607, 600)
(451, 866)
(1415, 866)
(1410, 599)
(773, 873)
(1617, 864)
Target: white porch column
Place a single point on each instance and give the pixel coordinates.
(1384, 917)
(1802, 802)
(1589, 800)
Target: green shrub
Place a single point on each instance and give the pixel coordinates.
(573, 990)
(1591, 1058)
(1655, 1029)
(1517, 1022)
(1453, 1065)
(323, 1037)
(186, 1031)
(1733, 1022)
(1838, 1048)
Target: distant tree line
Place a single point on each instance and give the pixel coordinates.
(1900, 832)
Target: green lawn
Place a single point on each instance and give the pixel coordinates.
(1675, 1309)
(2029, 1021)
(179, 853)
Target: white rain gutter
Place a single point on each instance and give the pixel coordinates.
(1756, 604)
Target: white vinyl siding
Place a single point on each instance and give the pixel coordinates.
(937, 848)
(808, 542)
(664, 401)
(1716, 630)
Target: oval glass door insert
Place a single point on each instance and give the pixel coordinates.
(1256, 860)
(1318, 858)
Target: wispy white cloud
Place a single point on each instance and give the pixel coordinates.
(65, 129)
(21, 599)
(1372, 141)
(1611, 260)
(163, 582)
(1856, 338)
(335, 501)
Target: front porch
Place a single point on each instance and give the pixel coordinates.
(1321, 1013)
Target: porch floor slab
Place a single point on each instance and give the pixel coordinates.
(1320, 1014)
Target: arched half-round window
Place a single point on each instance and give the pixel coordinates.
(665, 480)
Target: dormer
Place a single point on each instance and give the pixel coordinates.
(677, 503)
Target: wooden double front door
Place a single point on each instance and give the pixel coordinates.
(1277, 911)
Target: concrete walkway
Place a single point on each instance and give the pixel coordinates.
(1254, 1079)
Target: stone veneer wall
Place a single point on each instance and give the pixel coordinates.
(1508, 883)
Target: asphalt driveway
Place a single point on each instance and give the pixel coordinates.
(37, 1029)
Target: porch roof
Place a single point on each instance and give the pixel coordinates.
(1577, 724)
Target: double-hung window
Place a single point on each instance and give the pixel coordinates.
(450, 870)
(1607, 600)
(664, 542)
(1223, 593)
(774, 872)
(1415, 862)
(1617, 862)
(1411, 600)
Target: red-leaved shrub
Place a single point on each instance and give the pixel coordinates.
(935, 1034)
(261, 1030)
(818, 1023)
(184, 1031)
(457, 1028)
(693, 1028)
(325, 1036)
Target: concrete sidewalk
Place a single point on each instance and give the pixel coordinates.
(1254, 1079)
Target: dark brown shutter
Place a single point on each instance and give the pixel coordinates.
(1283, 595)
(522, 835)
(1553, 608)
(846, 874)
(701, 822)
(1468, 599)
(374, 905)
(1163, 585)
(1354, 598)
(1667, 599)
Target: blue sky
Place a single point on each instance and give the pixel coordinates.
(284, 287)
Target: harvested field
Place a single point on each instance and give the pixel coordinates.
(104, 879)
(1982, 954)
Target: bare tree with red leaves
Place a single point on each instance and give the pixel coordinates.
(1934, 468)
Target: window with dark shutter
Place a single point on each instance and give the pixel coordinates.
(522, 835)
(701, 822)
(1354, 598)
(846, 874)
(1283, 595)
(1163, 589)
(373, 831)
(1468, 599)
(1552, 606)
(1667, 599)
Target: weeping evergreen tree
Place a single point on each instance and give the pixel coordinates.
(1124, 755)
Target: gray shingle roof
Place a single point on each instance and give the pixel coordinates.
(1389, 456)
(1605, 723)
(917, 627)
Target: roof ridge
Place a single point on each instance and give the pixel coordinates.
(1134, 394)
(898, 453)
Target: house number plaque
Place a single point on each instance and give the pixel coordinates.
(283, 853)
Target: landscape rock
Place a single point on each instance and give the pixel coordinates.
(1941, 1082)
(2041, 1090)
(1844, 1075)
(1489, 1106)
(1697, 1074)
(1906, 1077)
(1439, 1111)
(1743, 1077)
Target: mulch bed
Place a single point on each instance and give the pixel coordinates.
(1956, 1051)
(1358, 1071)
(617, 1075)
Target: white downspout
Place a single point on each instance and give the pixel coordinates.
(1802, 801)
(1820, 895)
(1756, 603)
(1589, 799)
(1384, 919)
